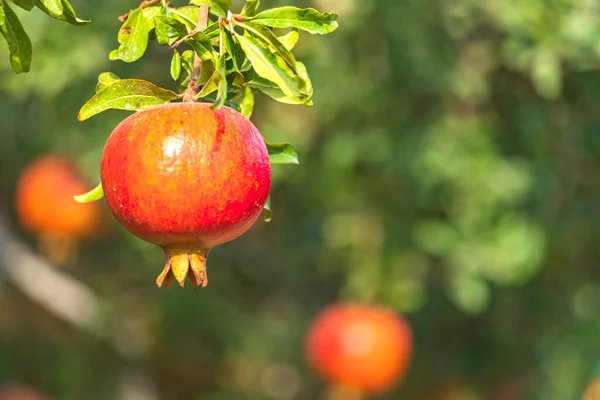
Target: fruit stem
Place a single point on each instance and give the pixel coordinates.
(339, 392)
(192, 90)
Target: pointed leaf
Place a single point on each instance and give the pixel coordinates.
(246, 102)
(169, 29)
(187, 14)
(269, 38)
(133, 38)
(235, 51)
(290, 39)
(283, 153)
(175, 66)
(126, 94)
(19, 44)
(24, 4)
(306, 19)
(270, 66)
(272, 90)
(221, 83)
(267, 208)
(106, 79)
(95, 194)
(202, 47)
(60, 10)
(250, 8)
(307, 88)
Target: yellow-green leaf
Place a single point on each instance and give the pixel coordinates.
(270, 66)
(306, 19)
(126, 94)
(132, 37)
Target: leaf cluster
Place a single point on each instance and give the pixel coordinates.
(14, 33)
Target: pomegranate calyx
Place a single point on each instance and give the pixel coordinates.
(184, 261)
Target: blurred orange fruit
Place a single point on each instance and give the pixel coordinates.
(366, 348)
(45, 206)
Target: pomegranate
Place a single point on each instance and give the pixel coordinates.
(45, 206)
(365, 349)
(187, 178)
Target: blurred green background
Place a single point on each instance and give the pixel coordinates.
(450, 169)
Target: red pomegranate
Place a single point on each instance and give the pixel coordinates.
(186, 178)
(358, 347)
(45, 206)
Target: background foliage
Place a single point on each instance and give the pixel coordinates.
(449, 168)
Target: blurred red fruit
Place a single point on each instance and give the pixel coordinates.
(365, 348)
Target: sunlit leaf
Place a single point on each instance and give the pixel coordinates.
(132, 37)
(217, 7)
(95, 194)
(19, 44)
(246, 102)
(175, 66)
(250, 8)
(270, 66)
(306, 19)
(221, 83)
(60, 10)
(272, 90)
(106, 79)
(283, 153)
(126, 94)
(290, 39)
(269, 38)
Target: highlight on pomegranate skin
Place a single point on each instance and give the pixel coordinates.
(360, 348)
(187, 178)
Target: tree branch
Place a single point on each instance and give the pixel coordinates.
(192, 89)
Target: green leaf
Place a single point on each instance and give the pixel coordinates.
(307, 88)
(126, 94)
(95, 194)
(60, 10)
(202, 47)
(267, 208)
(217, 7)
(24, 4)
(133, 38)
(247, 102)
(290, 39)
(169, 29)
(272, 90)
(19, 44)
(270, 66)
(306, 19)
(211, 85)
(283, 153)
(221, 83)
(250, 8)
(106, 79)
(235, 51)
(187, 14)
(175, 66)
(268, 37)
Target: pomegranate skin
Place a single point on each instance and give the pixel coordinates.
(186, 178)
(358, 347)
